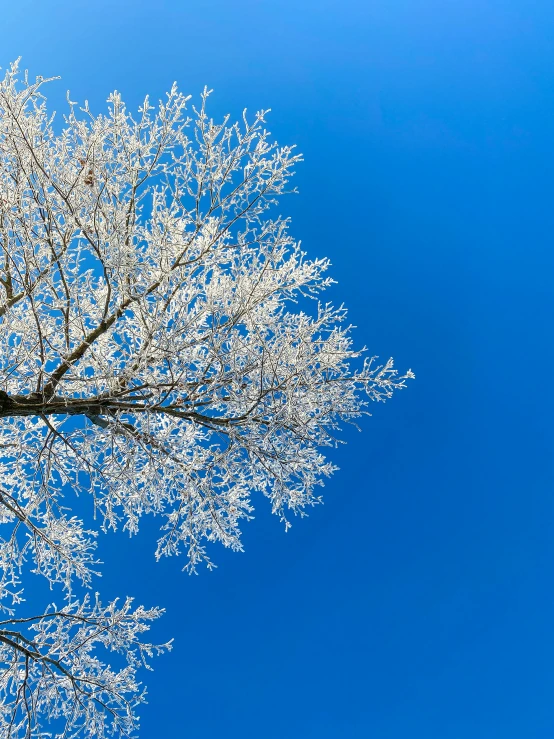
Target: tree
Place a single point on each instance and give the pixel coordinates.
(163, 350)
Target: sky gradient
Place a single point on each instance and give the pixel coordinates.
(418, 602)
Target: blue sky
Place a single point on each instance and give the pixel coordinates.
(419, 600)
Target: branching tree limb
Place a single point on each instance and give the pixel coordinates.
(163, 349)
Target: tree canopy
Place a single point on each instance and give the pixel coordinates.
(164, 350)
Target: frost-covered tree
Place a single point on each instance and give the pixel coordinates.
(163, 350)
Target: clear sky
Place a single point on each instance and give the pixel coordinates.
(418, 602)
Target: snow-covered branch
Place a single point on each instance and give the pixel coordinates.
(165, 350)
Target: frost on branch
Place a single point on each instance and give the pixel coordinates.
(51, 670)
(163, 349)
